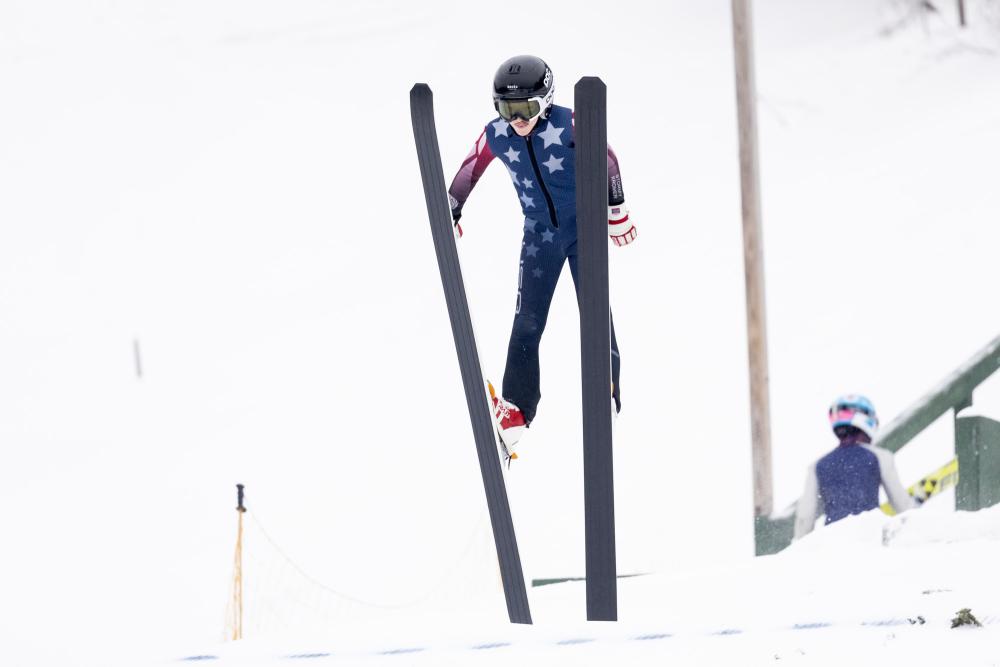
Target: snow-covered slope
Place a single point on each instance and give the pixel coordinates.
(870, 589)
(233, 185)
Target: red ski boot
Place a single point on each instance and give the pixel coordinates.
(510, 423)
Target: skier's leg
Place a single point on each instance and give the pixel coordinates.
(540, 264)
(616, 360)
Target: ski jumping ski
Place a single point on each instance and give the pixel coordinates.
(930, 485)
(480, 411)
(595, 347)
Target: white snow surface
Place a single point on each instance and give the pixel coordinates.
(233, 185)
(913, 572)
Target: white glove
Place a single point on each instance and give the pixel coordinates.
(620, 229)
(921, 492)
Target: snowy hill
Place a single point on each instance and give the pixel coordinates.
(885, 589)
(232, 186)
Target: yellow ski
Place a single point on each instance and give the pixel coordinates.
(941, 479)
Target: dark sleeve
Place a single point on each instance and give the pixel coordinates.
(468, 175)
(615, 194)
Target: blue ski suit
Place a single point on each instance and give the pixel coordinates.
(846, 481)
(541, 167)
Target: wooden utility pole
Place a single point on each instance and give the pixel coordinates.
(236, 620)
(753, 258)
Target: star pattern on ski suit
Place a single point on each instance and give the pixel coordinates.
(513, 176)
(532, 250)
(528, 201)
(554, 164)
(500, 128)
(547, 236)
(536, 273)
(529, 225)
(527, 184)
(551, 135)
(512, 155)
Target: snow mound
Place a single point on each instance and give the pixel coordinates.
(916, 528)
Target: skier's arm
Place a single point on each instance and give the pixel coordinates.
(468, 175)
(898, 497)
(808, 507)
(616, 197)
(620, 228)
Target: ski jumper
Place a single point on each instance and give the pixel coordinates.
(846, 481)
(542, 168)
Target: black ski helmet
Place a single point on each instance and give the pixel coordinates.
(522, 87)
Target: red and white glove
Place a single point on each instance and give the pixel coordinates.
(620, 229)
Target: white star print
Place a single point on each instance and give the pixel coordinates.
(554, 164)
(528, 201)
(500, 128)
(547, 236)
(512, 155)
(527, 184)
(551, 135)
(513, 176)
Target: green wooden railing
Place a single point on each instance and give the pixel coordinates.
(977, 445)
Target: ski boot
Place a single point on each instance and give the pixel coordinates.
(510, 424)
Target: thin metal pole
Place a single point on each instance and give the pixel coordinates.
(753, 258)
(961, 13)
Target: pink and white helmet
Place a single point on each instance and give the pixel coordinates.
(854, 410)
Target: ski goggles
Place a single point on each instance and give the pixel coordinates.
(842, 415)
(846, 414)
(523, 109)
(845, 409)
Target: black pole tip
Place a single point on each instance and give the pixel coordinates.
(239, 498)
